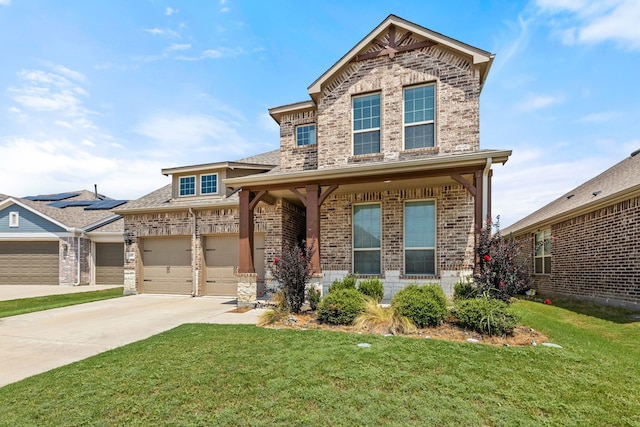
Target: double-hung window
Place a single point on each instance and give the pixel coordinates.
(420, 238)
(187, 186)
(366, 239)
(419, 117)
(542, 252)
(209, 184)
(305, 135)
(366, 124)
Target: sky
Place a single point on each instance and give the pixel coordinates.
(110, 92)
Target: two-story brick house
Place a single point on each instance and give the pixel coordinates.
(381, 169)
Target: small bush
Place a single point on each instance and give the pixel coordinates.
(341, 307)
(347, 282)
(313, 297)
(423, 305)
(372, 288)
(487, 316)
(465, 289)
(383, 320)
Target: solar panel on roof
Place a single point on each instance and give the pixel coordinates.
(105, 205)
(51, 197)
(67, 203)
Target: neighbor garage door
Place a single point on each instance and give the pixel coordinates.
(29, 263)
(109, 263)
(167, 265)
(221, 261)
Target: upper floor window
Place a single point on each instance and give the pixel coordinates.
(366, 124)
(14, 219)
(420, 237)
(187, 185)
(305, 135)
(209, 184)
(542, 252)
(419, 117)
(366, 239)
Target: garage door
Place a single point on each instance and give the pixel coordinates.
(109, 263)
(221, 261)
(29, 263)
(167, 266)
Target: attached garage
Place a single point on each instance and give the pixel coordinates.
(29, 263)
(109, 263)
(167, 266)
(221, 260)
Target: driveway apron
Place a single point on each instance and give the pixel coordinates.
(37, 342)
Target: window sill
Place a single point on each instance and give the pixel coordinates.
(308, 147)
(428, 150)
(364, 157)
(419, 277)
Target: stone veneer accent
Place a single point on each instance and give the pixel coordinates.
(68, 250)
(595, 256)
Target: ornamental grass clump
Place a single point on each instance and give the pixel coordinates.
(383, 320)
(424, 305)
(486, 316)
(341, 307)
(500, 272)
(292, 270)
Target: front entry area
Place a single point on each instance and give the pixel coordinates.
(167, 265)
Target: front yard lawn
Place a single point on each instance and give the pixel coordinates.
(245, 375)
(29, 305)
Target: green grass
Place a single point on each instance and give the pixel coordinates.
(30, 305)
(244, 375)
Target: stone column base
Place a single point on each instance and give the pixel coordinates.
(247, 289)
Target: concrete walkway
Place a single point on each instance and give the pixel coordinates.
(37, 342)
(8, 292)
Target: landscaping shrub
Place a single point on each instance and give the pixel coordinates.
(341, 307)
(313, 297)
(292, 271)
(347, 282)
(424, 305)
(464, 289)
(373, 288)
(383, 320)
(500, 272)
(487, 316)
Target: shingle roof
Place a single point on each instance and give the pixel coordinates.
(269, 158)
(72, 216)
(620, 179)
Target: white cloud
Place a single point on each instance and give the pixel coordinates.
(170, 11)
(595, 21)
(598, 118)
(224, 10)
(266, 123)
(162, 32)
(536, 102)
(176, 46)
(5, 2)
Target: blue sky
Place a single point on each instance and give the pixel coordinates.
(110, 92)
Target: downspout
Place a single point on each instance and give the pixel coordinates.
(485, 189)
(195, 273)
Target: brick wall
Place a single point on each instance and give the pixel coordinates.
(595, 256)
(292, 157)
(68, 273)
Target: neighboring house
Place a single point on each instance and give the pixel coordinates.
(70, 238)
(381, 170)
(586, 243)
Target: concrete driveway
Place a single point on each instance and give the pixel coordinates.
(37, 342)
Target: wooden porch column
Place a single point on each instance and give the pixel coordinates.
(313, 223)
(245, 264)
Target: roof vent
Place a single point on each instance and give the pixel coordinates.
(595, 193)
(570, 196)
(635, 152)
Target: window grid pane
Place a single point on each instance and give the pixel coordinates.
(366, 143)
(306, 135)
(366, 112)
(418, 136)
(209, 184)
(188, 186)
(420, 236)
(419, 261)
(366, 262)
(366, 239)
(419, 107)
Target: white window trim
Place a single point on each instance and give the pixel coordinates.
(217, 184)
(434, 121)
(195, 183)
(354, 132)
(315, 134)
(435, 237)
(544, 254)
(354, 249)
(14, 219)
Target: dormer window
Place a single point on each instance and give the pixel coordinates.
(209, 184)
(419, 117)
(305, 135)
(187, 186)
(14, 219)
(366, 124)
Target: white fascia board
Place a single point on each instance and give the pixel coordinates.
(10, 237)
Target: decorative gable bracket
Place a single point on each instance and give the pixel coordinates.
(393, 46)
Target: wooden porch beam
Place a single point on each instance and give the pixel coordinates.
(300, 196)
(469, 186)
(327, 193)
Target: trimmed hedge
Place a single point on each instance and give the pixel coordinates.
(424, 305)
(464, 290)
(487, 316)
(347, 282)
(341, 307)
(372, 287)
